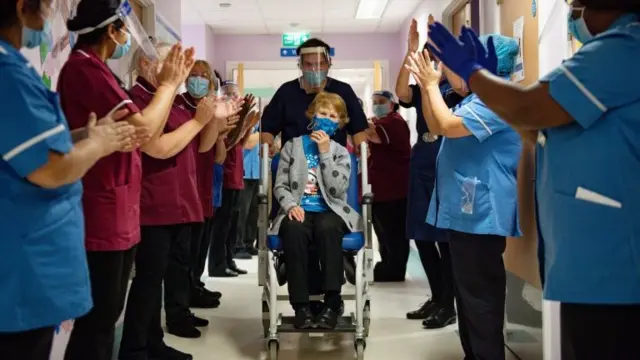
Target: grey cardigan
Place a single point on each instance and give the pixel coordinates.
(333, 180)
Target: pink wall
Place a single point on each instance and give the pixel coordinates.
(349, 47)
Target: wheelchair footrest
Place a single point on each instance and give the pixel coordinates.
(345, 325)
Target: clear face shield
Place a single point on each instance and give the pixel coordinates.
(229, 91)
(132, 26)
(314, 64)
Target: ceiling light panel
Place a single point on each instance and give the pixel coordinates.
(371, 9)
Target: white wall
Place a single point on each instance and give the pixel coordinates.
(553, 49)
(489, 17)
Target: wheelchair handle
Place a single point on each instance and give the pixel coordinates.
(366, 188)
(264, 168)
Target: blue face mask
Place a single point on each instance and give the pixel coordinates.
(578, 28)
(380, 110)
(314, 78)
(122, 49)
(325, 124)
(198, 86)
(33, 38)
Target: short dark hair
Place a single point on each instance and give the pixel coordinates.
(311, 43)
(8, 15)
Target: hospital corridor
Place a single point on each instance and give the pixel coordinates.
(319, 179)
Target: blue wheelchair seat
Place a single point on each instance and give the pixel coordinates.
(350, 242)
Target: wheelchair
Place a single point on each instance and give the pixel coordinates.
(357, 251)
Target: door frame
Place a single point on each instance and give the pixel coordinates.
(455, 5)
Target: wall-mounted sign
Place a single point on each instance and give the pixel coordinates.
(294, 39)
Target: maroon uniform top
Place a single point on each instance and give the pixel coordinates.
(389, 161)
(111, 198)
(169, 186)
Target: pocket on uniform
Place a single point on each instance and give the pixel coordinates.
(159, 191)
(474, 196)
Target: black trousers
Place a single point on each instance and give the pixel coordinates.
(248, 215)
(436, 262)
(32, 345)
(389, 218)
(324, 231)
(201, 240)
(93, 334)
(597, 332)
(480, 283)
(163, 254)
(225, 232)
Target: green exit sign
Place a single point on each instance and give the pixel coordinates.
(294, 39)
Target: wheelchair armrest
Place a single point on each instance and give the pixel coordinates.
(367, 199)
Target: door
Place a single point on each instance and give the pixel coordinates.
(461, 17)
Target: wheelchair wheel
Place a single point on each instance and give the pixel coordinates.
(274, 347)
(360, 347)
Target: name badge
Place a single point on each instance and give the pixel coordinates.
(542, 140)
(429, 138)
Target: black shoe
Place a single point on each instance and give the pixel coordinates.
(198, 321)
(224, 273)
(242, 255)
(217, 295)
(252, 251)
(439, 319)
(184, 329)
(303, 319)
(424, 311)
(316, 307)
(328, 319)
(239, 271)
(169, 353)
(201, 300)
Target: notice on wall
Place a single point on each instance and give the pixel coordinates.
(518, 35)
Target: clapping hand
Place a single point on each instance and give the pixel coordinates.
(140, 136)
(176, 67)
(322, 139)
(296, 213)
(111, 136)
(460, 56)
(414, 37)
(422, 69)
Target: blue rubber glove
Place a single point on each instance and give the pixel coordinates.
(459, 57)
(488, 57)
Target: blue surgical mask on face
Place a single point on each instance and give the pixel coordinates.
(122, 49)
(33, 38)
(314, 78)
(380, 110)
(578, 27)
(325, 124)
(198, 86)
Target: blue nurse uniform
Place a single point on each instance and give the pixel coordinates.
(45, 279)
(475, 200)
(587, 175)
(476, 190)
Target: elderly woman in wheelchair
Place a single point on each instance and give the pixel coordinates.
(311, 188)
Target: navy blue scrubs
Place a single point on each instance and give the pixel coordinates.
(286, 111)
(423, 168)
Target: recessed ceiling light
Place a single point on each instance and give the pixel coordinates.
(225, 5)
